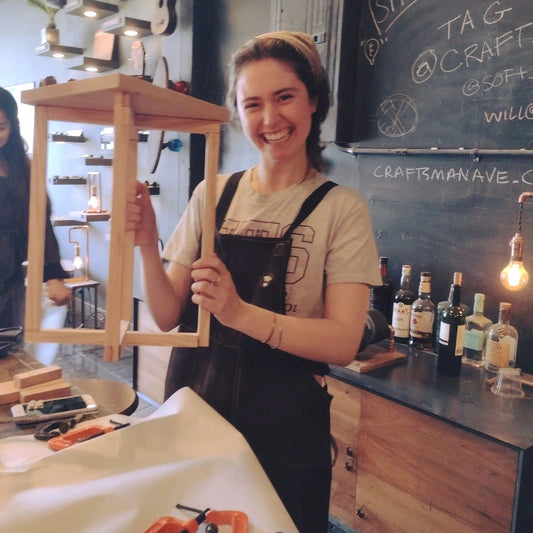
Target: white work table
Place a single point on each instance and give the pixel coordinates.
(126, 480)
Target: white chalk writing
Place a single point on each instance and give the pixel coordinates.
(491, 176)
(510, 114)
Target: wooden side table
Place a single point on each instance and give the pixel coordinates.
(129, 105)
(80, 287)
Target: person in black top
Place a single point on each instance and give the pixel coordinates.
(14, 207)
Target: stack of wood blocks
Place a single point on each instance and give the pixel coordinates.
(41, 384)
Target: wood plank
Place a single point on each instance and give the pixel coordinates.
(147, 99)
(419, 474)
(36, 227)
(8, 392)
(35, 377)
(120, 268)
(46, 391)
(208, 223)
(375, 356)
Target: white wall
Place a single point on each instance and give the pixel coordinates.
(20, 31)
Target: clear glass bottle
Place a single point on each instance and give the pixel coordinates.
(401, 309)
(451, 333)
(501, 340)
(475, 327)
(422, 315)
(381, 296)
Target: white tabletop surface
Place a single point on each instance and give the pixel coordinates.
(126, 480)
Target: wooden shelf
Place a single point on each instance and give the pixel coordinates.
(64, 221)
(69, 180)
(100, 161)
(84, 216)
(65, 138)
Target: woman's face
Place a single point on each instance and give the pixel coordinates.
(274, 108)
(5, 129)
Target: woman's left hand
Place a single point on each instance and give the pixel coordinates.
(57, 292)
(214, 290)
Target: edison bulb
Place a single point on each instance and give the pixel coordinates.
(94, 201)
(514, 276)
(78, 262)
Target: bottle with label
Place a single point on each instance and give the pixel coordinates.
(401, 309)
(451, 333)
(441, 306)
(422, 315)
(501, 340)
(475, 327)
(381, 296)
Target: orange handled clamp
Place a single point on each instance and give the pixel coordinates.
(169, 524)
(81, 435)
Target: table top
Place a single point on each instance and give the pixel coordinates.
(111, 396)
(464, 401)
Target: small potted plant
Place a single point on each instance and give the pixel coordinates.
(49, 34)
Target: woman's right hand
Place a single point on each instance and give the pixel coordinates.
(140, 216)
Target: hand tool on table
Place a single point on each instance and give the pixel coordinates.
(55, 428)
(83, 434)
(170, 524)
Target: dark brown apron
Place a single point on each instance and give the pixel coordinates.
(270, 396)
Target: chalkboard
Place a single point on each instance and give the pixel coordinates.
(435, 109)
(437, 74)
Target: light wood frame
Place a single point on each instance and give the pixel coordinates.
(129, 104)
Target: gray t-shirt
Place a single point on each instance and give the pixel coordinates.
(335, 244)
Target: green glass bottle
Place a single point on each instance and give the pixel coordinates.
(451, 333)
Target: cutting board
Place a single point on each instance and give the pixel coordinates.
(373, 357)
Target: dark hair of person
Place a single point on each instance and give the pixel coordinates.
(317, 87)
(14, 153)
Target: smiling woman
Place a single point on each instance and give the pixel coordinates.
(288, 286)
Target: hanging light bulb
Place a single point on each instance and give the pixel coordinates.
(78, 261)
(514, 276)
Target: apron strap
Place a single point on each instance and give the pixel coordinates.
(307, 207)
(227, 197)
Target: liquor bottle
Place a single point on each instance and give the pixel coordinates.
(475, 327)
(451, 333)
(401, 309)
(422, 315)
(501, 340)
(381, 296)
(441, 306)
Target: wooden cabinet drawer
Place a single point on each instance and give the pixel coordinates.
(418, 474)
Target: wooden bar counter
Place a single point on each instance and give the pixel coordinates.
(421, 452)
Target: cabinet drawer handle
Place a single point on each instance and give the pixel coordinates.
(349, 451)
(348, 465)
(360, 512)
